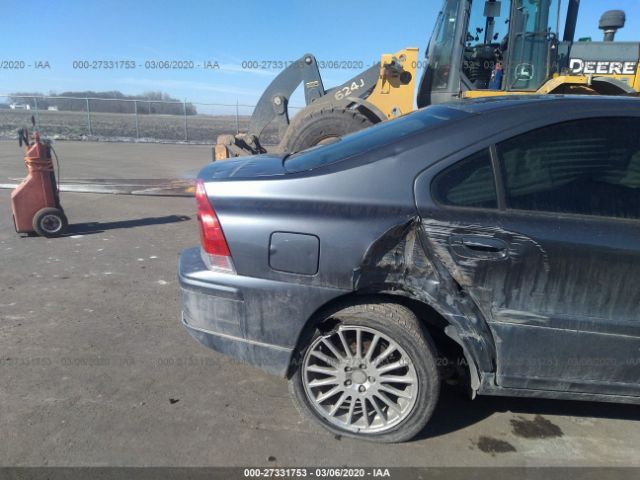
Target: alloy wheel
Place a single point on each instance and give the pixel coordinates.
(359, 379)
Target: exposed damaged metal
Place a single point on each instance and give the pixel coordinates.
(407, 260)
(491, 284)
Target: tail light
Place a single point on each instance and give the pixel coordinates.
(214, 246)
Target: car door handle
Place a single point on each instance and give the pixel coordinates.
(478, 246)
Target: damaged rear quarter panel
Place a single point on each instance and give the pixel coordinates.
(406, 261)
(371, 240)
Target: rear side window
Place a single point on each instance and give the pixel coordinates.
(588, 167)
(467, 183)
(371, 138)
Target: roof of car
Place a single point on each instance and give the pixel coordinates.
(485, 104)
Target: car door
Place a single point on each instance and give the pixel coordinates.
(553, 260)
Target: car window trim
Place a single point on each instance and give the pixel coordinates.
(570, 216)
(498, 178)
(506, 134)
(498, 167)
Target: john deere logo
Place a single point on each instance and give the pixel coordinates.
(589, 67)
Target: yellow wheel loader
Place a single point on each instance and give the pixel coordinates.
(477, 49)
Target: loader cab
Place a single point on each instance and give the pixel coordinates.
(488, 46)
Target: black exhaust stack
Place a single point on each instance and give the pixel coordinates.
(611, 21)
(572, 20)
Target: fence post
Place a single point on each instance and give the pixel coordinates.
(89, 117)
(35, 103)
(186, 132)
(135, 104)
(237, 119)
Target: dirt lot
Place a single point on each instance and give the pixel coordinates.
(74, 125)
(96, 369)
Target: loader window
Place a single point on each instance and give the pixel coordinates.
(441, 48)
(486, 43)
(371, 138)
(587, 167)
(534, 26)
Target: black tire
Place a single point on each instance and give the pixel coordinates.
(401, 325)
(49, 222)
(322, 126)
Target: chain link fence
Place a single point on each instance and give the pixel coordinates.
(107, 119)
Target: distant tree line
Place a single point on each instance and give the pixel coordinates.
(147, 103)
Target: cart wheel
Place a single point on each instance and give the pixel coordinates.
(49, 222)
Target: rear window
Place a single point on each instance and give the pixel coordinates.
(468, 183)
(370, 138)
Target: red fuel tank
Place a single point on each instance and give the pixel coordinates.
(37, 191)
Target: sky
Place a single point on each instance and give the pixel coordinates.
(230, 33)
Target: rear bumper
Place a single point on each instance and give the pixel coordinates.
(271, 358)
(253, 320)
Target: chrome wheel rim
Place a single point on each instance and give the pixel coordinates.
(359, 379)
(51, 223)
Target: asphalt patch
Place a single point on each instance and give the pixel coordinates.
(493, 445)
(538, 428)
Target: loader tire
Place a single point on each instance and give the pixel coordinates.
(322, 126)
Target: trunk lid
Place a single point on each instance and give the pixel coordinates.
(244, 168)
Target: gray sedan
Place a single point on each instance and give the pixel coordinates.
(491, 243)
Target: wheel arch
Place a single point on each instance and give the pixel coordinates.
(445, 334)
(369, 110)
(363, 105)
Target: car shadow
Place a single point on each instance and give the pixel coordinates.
(456, 411)
(90, 228)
